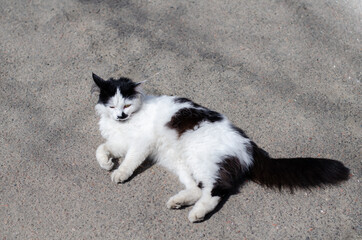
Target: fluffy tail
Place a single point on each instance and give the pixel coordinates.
(295, 173)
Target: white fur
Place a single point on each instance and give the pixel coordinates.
(194, 156)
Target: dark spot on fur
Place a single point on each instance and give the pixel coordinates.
(190, 118)
(230, 176)
(200, 185)
(186, 100)
(295, 172)
(239, 131)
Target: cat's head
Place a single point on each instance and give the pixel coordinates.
(118, 98)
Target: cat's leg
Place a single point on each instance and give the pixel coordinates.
(133, 159)
(188, 196)
(103, 156)
(204, 205)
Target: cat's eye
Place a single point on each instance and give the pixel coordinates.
(111, 106)
(127, 105)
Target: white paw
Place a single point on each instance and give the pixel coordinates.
(174, 203)
(102, 157)
(119, 175)
(106, 164)
(185, 197)
(197, 214)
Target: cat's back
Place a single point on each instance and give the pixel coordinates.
(195, 132)
(161, 108)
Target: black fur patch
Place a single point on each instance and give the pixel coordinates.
(109, 88)
(238, 130)
(295, 172)
(230, 176)
(189, 118)
(186, 100)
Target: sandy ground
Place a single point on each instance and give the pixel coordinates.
(287, 72)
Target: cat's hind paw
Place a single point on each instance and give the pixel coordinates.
(119, 176)
(185, 197)
(173, 204)
(206, 204)
(197, 214)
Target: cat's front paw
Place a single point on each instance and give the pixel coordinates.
(120, 176)
(103, 159)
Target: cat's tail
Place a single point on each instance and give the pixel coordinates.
(295, 173)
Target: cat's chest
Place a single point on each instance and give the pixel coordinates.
(111, 130)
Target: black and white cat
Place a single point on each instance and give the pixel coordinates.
(203, 148)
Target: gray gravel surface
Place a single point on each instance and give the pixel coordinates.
(287, 72)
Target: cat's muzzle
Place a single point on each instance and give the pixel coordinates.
(123, 117)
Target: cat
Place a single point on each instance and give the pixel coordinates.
(210, 155)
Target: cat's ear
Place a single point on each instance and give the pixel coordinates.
(95, 89)
(98, 84)
(140, 83)
(98, 80)
(138, 86)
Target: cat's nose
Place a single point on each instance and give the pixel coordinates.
(122, 117)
